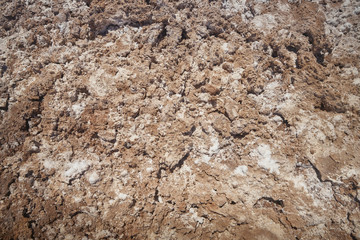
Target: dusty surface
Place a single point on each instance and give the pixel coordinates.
(182, 119)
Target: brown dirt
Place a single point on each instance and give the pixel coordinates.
(234, 119)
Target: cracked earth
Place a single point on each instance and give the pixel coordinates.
(162, 119)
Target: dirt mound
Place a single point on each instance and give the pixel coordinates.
(233, 119)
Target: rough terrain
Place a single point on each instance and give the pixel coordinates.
(162, 119)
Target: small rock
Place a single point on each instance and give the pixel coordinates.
(238, 127)
(3, 103)
(231, 108)
(357, 11)
(34, 147)
(75, 170)
(212, 89)
(108, 135)
(93, 178)
(241, 170)
(69, 236)
(221, 124)
(228, 67)
(356, 81)
(346, 27)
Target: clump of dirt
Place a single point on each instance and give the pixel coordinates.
(179, 119)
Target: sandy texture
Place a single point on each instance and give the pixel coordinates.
(233, 119)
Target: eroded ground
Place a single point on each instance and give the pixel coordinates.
(181, 119)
